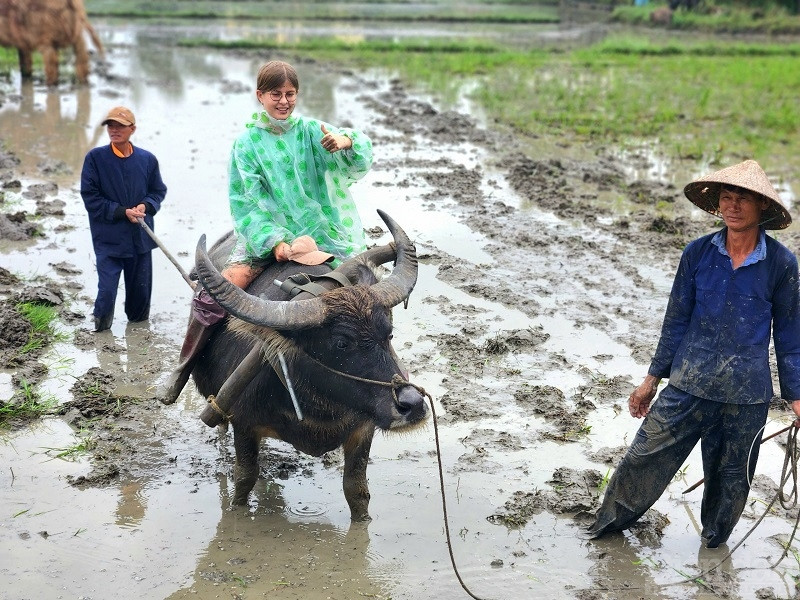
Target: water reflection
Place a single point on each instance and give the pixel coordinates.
(48, 130)
(266, 553)
(579, 25)
(131, 506)
(620, 566)
(133, 363)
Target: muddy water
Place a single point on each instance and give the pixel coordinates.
(498, 270)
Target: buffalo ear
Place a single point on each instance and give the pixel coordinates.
(363, 274)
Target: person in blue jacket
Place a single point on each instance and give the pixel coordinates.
(732, 289)
(121, 184)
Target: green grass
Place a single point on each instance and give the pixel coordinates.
(641, 46)
(717, 17)
(25, 405)
(601, 487)
(435, 11)
(9, 61)
(696, 100)
(84, 443)
(323, 45)
(41, 317)
(599, 95)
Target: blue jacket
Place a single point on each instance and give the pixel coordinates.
(716, 332)
(109, 185)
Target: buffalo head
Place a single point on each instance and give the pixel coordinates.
(337, 345)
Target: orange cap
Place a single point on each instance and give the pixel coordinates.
(304, 251)
(121, 115)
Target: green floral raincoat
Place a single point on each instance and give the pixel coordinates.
(284, 184)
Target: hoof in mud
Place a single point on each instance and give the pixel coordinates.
(363, 518)
(166, 400)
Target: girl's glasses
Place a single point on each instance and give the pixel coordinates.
(276, 96)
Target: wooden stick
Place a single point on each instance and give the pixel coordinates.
(769, 437)
(192, 284)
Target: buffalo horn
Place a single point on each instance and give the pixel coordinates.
(397, 286)
(301, 314)
(370, 259)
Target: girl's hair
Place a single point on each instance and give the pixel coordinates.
(274, 74)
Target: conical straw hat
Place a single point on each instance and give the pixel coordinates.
(704, 192)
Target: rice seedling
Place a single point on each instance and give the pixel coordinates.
(26, 404)
(604, 481)
(84, 443)
(41, 317)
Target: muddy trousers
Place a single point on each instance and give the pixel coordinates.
(206, 314)
(138, 277)
(730, 436)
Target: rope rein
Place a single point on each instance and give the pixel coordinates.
(790, 458)
(444, 501)
(396, 383)
(789, 470)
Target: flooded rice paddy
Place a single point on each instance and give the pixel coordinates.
(533, 317)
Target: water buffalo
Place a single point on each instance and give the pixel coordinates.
(47, 26)
(346, 378)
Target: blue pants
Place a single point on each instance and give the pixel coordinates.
(138, 272)
(730, 436)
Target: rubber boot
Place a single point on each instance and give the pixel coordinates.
(197, 334)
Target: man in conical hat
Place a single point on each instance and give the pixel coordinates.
(732, 289)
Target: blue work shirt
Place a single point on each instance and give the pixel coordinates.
(716, 332)
(109, 185)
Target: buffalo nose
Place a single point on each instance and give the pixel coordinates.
(409, 399)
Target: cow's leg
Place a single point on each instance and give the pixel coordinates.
(81, 60)
(356, 456)
(245, 472)
(25, 64)
(50, 58)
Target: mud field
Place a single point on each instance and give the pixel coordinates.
(545, 269)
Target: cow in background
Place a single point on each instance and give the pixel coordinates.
(47, 26)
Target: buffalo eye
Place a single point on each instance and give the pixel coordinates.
(341, 344)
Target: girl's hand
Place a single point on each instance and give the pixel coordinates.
(281, 252)
(333, 142)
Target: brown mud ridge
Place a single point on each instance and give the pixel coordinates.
(125, 441)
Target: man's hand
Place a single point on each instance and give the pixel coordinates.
(796, 409)
(333, 142)
(135, 213)
(640, 398)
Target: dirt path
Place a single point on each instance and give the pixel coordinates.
(572, 252)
